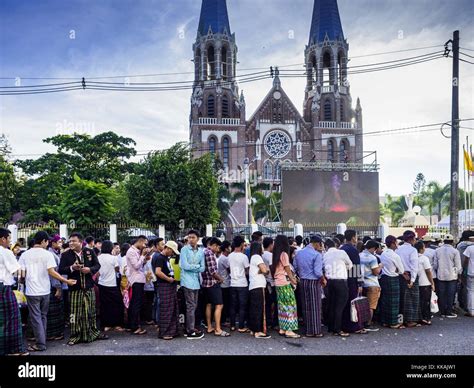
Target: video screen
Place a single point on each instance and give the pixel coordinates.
(351, 197)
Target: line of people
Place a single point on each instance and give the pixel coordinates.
(218, 287)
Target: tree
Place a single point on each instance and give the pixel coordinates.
(8, 189)
(395, 207)
(169, 186)
(86, 202)
(435, 196)
(419, 184)
(101, 159)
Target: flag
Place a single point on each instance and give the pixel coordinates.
(468, 162)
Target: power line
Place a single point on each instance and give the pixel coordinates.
(192, 72)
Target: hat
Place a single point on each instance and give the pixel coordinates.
(427, 238)
(173, 246)
(55, 238)
(448, 237)
(316, 239)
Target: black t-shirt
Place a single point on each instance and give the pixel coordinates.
(161, 261)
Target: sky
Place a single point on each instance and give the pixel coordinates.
(80, 38)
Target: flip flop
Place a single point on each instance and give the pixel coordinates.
(19, 354)
(244, 331)
(34, 348)
(222, 334)
(295, 336)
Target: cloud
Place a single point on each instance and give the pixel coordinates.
(146, 37)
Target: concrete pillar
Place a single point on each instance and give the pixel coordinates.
(161, 231)
(63, 232)
(298, 230)
(113, 232)
(209, 230)
(14, 232)
(341, 228)
(383, 231)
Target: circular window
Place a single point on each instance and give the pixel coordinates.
(277, 144)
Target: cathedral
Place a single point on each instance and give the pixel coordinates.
(329, 129)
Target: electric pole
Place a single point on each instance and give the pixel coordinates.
(454, 211)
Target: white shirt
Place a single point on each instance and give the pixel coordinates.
(469, 252)
(409, 256)
(122, 260)
(107, 271)
(36, 262)
(429, 253)
(336, 264)
(8, 265)
(391, 263)
(257, 280)
(424, 264)
(238, 262)
(447, 262)
(268, 259)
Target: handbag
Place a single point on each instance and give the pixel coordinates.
(360, 310)
(434, 303)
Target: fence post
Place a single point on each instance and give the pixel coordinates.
(113, 232)
(161, 231)
(63, 231)
(209, 230)
(383, 231)
(341, 228)
(298, 230)
(14, 231)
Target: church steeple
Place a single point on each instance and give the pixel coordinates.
(326, 23)
(214, 17)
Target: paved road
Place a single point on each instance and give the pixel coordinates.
(444, 337)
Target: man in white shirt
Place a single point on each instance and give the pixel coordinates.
(409, 289)
(336, 266)
(469, 270)
(11, 335)
(447, 263)
(239, 268)
(38, 264)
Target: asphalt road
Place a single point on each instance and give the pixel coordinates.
(444, 337)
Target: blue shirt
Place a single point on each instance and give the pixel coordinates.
(308, 263)
(191, 262)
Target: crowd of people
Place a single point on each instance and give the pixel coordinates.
(205, 286)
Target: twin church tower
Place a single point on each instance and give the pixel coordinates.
(329, 130)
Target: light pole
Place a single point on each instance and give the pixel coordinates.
(246, 178)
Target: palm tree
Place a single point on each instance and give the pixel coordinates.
(266, 205)
(395, 207)
(436, 196)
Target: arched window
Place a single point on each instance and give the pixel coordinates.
(224, 63)
(225, 107)
(326, 69)
(211, 106)
(344, 151)
(340, 68)
(211, 63)
(312, 70)
(212, 145)
(225, 152)
(331, 148)
(268, 170)
(341, 109)
(327, 110)
(277, 171)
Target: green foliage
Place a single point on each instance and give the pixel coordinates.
(169, 186)
(86, 202)
(8, 189)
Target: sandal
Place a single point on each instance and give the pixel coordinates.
(71, 343)
(342, 334)
(34, 348)
(212, 331)
(363, 331)
(167, 338)
(222, 334)
(399, 326)
(139, 332)
(120, 329)
(19, 354)
(243, 330)
(413, 324)
(294, 335)
(427, 323)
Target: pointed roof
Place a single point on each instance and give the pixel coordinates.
(214, 16)
(325, 20)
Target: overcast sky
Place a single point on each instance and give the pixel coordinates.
(118, 37)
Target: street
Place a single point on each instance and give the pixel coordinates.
(444, 337)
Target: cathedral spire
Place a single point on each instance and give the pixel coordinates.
(214, 17)
(325, 21)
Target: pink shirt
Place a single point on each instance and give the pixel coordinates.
(135, 266)
(280, 273)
